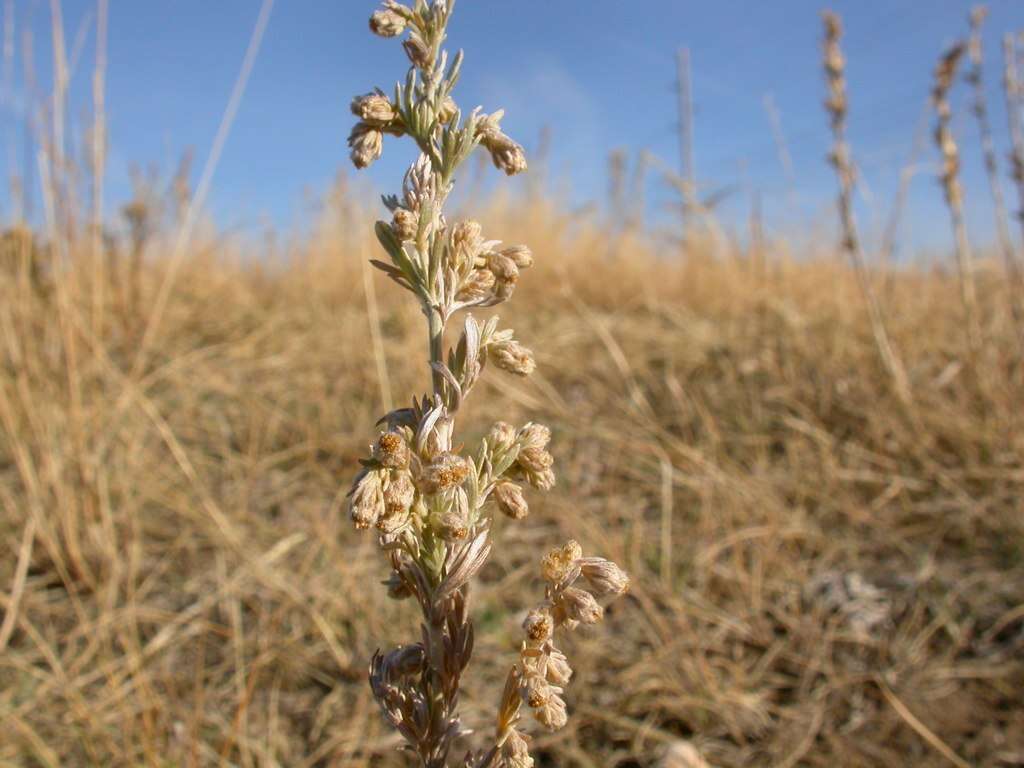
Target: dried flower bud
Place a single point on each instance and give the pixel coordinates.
(503, 267)
(552, 714)
(502, 436)
(513, 357)
(478, 285)
(400, 492)
(454, 526)
(558, 563)
(535, 460)
(542, 481)
(503, 290)
(392, 451)
(580, 605)
(534, 435)
(374, 109)
(405, 224)
(387, 23)
(366, 499)
(535, 691)
(406, 660)
(393, 520)
(520, 254)
(539, 625)
(515, 752)
(446, 471)
(448, 110)
(417, 51)
(558, 671)
(510, 500)
(419, 184)
(367, 144)
(604, 576)
(511, 159)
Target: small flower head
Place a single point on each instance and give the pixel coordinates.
(405, 224)
(392, 451)
(552, 713)
(604, 576)
(374, 109)
(502, 436)
(448, 110)
(515, 752)
(399, 493)
(454, 526)
(539, 625)
(366, 499)
(510, 500)
(534, 435)
(580, 605)
(387, 23)
(367, 144)
(419, 185)
(479, 285)
(446, 471)
(557, 670)
(418, 52)
(513, 357)
(559, 562)
(521, 255)
(503, 267)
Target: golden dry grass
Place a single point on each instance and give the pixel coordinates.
(822, 576)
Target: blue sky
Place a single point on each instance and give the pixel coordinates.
(599, 75)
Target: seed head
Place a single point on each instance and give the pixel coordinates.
(604, 576)
(535, 691)
(387, 23)
(539, 625)
(446, 471)
(367, 144)
(510, 500)
(366, 499)
(513, 357)
(392, 451)
(580, 605)
(374, 109)
(405, 224)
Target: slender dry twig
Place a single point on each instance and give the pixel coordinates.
(949, 177)
(840, 158)
(432, 506)
(980, 109)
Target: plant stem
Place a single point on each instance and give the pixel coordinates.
(435, 329)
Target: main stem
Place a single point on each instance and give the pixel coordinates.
(435, 327)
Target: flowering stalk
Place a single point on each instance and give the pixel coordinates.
(430, 505)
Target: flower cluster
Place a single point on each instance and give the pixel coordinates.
(539, 679)
(432, 504)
